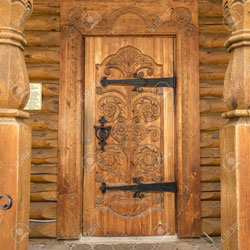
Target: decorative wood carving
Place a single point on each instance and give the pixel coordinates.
(235, 134)
(134, 117)
(14, 86)
(88, 21)
(15, 134)
(177, 18)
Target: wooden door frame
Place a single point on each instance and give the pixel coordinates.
(180, 19)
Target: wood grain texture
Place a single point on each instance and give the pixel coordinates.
(42, 230)
(188, 216)
(130, 215)
(70, 136)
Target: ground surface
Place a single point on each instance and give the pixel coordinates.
(184, 244)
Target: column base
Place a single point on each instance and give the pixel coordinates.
(15, 157)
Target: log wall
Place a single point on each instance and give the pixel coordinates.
(42, 57)
(213, 64)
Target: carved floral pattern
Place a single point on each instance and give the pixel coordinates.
(180, 19)
(135, 119)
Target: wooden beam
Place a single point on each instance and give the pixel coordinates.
(70, 167)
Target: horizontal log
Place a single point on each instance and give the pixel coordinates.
(42, 230)
(44, 139)
(44, 121)
(51, 7)
(44, 169)
(214, 56)
(210, 195)
(211, 89)
(50, 90)
(44, 196)
(210, 186)
(210, 174)
(43, 178)
(43, 192)
(212, 72)
(43, 71)
(43, 23)
(212, 40)
(211, 21)
(213, 105)
(50, 104)
(211, 226)
(210, 8)
(43, 210)
(210, 209)
(209, 152)
(210, 139)
(212, 28)
(210, 161)
(42, 187)
(42, 38)
(44, 156)
(42, 55)
(212, 122)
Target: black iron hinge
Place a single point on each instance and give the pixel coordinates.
(139, 82)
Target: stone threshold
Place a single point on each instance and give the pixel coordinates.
(128, 240)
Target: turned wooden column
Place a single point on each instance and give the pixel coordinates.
(15, 134)
(235, 135)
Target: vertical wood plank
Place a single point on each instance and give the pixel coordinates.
(70, 135)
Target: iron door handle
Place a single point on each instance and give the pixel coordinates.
(102, 133)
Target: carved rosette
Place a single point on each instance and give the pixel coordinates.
(236, 84)
(14, 81)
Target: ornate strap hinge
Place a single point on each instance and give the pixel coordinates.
(140, 188)
(139, 82)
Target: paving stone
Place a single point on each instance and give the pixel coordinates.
(209, 247)
(103, 247)
(123, 247)
(166, 246)
(55, 246)
(143, 247)
(185, 246)
(81, 247)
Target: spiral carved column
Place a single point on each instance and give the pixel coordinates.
(15, 134)
(235, 135)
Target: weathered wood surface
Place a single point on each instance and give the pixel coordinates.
(43, 23)
(43, 210)
(210, 8)
(211, 89)
(42, 55)
(211, 226)
(42, 38)
(212, 40)
(43, 230)
(47, 7)
(210, 139)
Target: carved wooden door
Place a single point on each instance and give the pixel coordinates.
(141, 141)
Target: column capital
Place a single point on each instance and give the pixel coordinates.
(13, 14)
(14, 81)
(237, 79)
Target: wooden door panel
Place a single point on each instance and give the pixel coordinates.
(141, 144)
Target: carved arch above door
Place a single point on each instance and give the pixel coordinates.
(162, 18)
